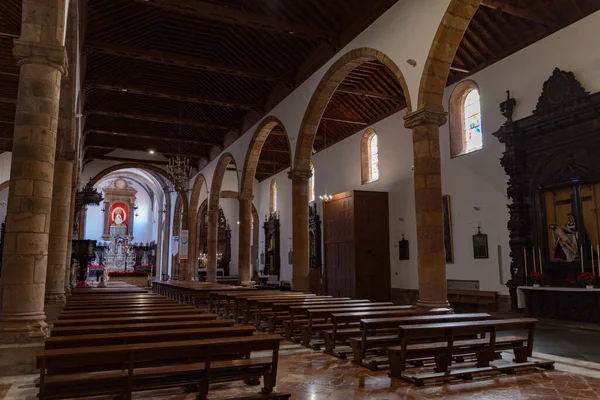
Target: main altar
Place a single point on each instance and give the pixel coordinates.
(552, 161)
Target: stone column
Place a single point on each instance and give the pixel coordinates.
(42, 60)
(186, 264)
(245, 239)
(211, 240)
(70, 237)
(300, 237)
(59, 236)
(431, 257)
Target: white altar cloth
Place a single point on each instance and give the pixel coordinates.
(521, 293)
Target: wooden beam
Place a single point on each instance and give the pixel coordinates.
(9, 35)
(166, 119)
(170, 95)
(11, 74)
(8, 100)
(457, 69)
(125, 159)
(271, 162)
(233, 16)
(147, 149)
(275, 150)
(368, 93)
(154, 137)
(181, 60)
(7, 121)
(517, 11)
(345, 121)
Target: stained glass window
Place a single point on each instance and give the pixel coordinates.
(472, 122)
(373, 158)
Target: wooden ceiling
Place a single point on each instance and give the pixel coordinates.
(175, 76)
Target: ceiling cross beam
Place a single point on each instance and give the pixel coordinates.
(368, 93)
(170, 95)
(517, 11)
(114, 147)
(181, 60)
(8, 100)
(163, 119)
(125, 159)
(234, 16)
(154, 137)
(345, 121)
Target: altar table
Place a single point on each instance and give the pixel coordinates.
(576, 304)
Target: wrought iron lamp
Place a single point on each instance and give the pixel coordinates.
(178, 170)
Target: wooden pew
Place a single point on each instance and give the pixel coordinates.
(449, 345)
(121, 320)
(109, 339)
(143, 307)
(474, 297)
(340, 321)
(123, 369)
(259, 307)
(240, 302)
(151, 326)
(377, 333)
(315, 315)
(124, 313)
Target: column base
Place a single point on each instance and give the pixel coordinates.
(23, 328)
(19, 358)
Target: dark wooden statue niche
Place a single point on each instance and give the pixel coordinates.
(272, 240)
(315, 260)
(552, 162)
(223, 241)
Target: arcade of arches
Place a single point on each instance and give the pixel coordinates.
(433, 153)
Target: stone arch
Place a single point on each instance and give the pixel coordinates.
(131, 165)
(327, 86)
(193, 215)
(443, 49)
(213, 214)
(252, 156)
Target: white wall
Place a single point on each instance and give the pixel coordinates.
(231, 211)
(473, 180)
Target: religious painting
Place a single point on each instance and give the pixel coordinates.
(403, 249)
(448, 246)
(565, 238)
(118, 219)
(480, 245)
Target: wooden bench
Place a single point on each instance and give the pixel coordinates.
(108, 339)
(448, 347)
(117, 307)
(260, 307)
(474, 297)
(130, 320)
(123, 313)
(137, 327)
(339, 321)
(377, 333)
(123, 369)
(318, 318)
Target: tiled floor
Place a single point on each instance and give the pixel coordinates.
(311, 375)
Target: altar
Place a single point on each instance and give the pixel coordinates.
(568, 303)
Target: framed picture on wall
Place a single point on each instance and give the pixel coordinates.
(480, 245)
(448, 246)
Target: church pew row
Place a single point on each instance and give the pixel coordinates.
(377, 333)
(193, 293)
(258, 308)
(131, 337)
(281, 310)
(131, 320)
(126, 307)
(446, 345)
(129, 313)
(127, 368)
(139, 327)
(237, 301)
(340, 332)
(320, 318)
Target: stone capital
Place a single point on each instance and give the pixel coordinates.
(425, 116)
(300, 174)
(52, 55)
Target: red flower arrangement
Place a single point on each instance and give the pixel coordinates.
(537, 277)
(120, 273)
(96, 266)
(587, 278)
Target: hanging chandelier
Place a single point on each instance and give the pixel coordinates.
(178, 170)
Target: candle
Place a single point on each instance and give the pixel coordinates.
(525, 260)
(540, 254)
(533, 256)
(581, 256)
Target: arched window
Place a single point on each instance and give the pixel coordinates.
(370, 156)
(311, 184)
(465, 119)
(273, 196)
